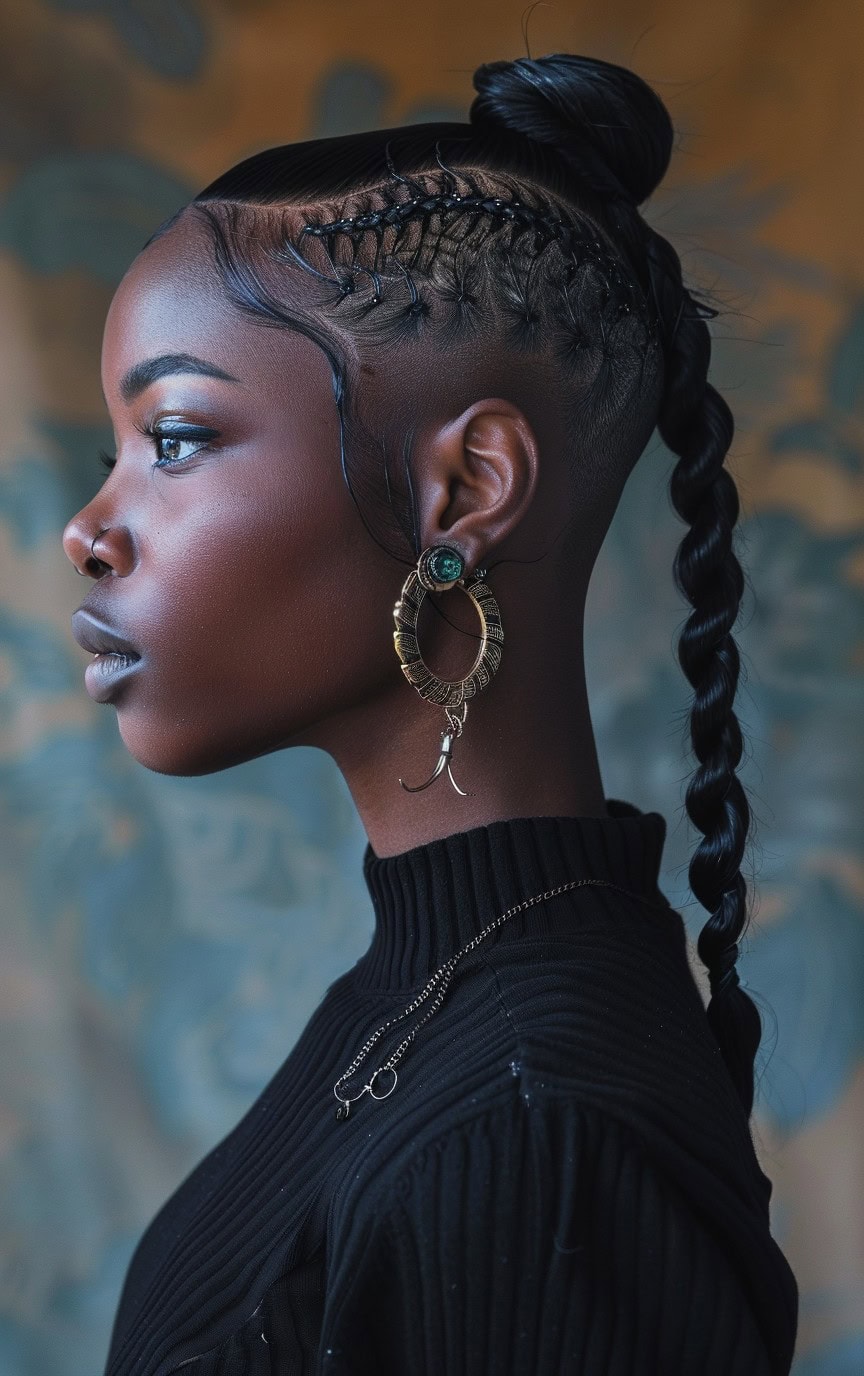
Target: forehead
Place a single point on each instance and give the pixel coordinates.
(172, 301)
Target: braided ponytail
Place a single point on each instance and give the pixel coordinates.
(696, 424)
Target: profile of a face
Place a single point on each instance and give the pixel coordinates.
(234, 561)
(228, 551)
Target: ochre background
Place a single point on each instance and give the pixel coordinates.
(163, 941)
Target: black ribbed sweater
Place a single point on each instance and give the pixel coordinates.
(563, 1180)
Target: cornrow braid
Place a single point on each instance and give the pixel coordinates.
(396, 213)
(696, 423)
(434, 211)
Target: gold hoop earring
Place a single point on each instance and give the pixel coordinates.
(439, 568)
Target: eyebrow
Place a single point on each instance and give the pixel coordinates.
(141, 375)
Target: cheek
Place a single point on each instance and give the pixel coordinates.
(262, 612)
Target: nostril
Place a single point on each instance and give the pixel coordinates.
(75, 543)
(119, 557)
(93, 565)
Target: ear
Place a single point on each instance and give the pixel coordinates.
(479, 476)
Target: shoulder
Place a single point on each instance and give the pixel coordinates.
(519, 1140)
(610, 1011)
(527, 1222)
(528, 1153)
(603, 1029)
(607, 1013)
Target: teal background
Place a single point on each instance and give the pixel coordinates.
(164, 940)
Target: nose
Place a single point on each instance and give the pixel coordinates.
(95, 551)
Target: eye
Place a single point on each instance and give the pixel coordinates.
(170, 442)
(175, 446)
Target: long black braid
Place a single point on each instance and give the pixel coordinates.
(528, 217)
(696, 423)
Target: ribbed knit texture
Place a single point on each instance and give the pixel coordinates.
(563, 1182)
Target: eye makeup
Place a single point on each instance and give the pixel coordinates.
(173, 434)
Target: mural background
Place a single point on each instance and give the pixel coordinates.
(164, 940)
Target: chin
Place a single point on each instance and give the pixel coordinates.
(183, 754)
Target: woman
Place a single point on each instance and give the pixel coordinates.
(509, 1140)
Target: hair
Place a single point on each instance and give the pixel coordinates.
(522, 226)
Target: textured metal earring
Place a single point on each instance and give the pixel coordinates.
(439, 568)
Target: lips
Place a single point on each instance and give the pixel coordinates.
(98, 637)
(115, 659)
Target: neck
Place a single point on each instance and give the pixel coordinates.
(527, 749)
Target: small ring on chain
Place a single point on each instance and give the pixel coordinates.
(387, 1092)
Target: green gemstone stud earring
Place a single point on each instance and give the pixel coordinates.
(439, 567)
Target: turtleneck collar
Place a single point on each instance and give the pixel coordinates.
(430, 900)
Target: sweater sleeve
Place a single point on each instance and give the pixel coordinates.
(534, 1240)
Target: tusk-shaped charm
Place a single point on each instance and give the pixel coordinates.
(445, 756)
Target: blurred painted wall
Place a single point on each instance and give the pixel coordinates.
(164, 940)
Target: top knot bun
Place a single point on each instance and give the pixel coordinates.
(603, 119)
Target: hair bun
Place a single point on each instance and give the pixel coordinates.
(602, 119)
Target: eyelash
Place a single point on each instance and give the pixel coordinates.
(109, 460)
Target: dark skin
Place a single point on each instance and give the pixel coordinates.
(262, 608)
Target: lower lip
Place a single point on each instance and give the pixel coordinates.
(106, 672)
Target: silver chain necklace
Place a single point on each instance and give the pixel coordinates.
(438, 982)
